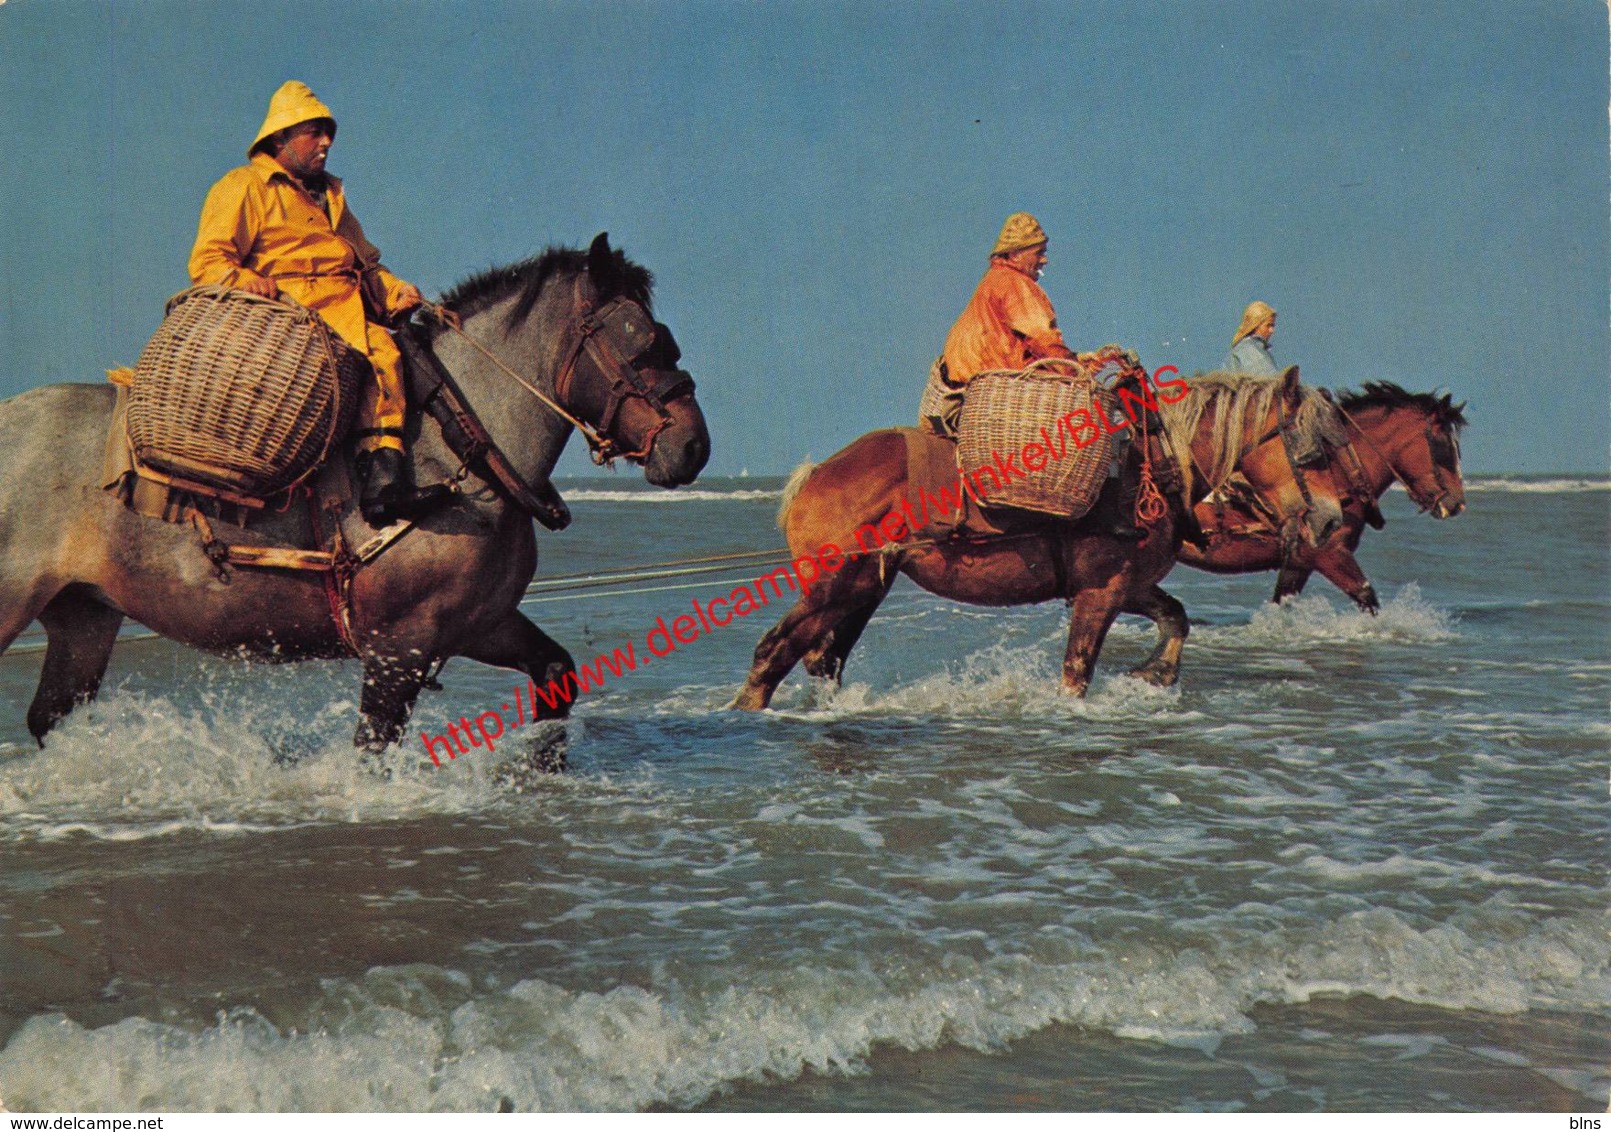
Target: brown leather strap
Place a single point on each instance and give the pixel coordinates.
(448, 405)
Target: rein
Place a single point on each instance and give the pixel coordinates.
(594, 440)
(1416, 497)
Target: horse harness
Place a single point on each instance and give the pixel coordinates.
(1436, 447)
(631, 324)
(1352, 466)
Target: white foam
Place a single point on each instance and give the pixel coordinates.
(1001, 683)
(133, 766)
(1304, 620)
(420, 1038)
(1545, 486)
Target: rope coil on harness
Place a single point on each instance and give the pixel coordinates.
(1150, 503)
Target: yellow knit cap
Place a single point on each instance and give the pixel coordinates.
(1252, 319)
(1021, 231)
(291, 105)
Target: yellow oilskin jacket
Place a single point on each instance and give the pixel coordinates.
(258, 221)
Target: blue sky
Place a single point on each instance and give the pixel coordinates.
(1420, 189)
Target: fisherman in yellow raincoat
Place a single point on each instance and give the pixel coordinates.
(280, 225)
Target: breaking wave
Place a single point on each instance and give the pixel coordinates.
(421, 1038)
(1560, 484)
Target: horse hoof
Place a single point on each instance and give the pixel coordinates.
(1159, 677)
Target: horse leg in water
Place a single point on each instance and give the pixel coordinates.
(517, 643)
(390, 688)
(1338, 566)
(1092, 615)
(812, 617)
(1162, 668)
(827, 658)
(1290, 581)
(81, 632)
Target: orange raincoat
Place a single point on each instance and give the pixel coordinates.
(258, 222)
(1007, 324)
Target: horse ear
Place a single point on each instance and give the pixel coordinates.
(1291, 392)
(601, 266)
(598, 256)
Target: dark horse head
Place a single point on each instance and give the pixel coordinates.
(604, 359)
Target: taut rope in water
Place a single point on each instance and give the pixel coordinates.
(606, 580)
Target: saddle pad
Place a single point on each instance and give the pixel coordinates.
(936, 492)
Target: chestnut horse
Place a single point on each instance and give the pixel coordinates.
(1225, 424)
(572, 325)
(1413, 438)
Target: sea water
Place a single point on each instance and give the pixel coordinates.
(1349, 863)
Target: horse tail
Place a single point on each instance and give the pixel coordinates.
(797, 479)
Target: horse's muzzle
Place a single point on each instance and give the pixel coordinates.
(681, 449)
(1322, 521)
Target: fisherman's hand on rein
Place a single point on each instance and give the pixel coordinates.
(409, 300)
(445, 315)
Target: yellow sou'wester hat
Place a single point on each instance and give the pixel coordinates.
(1252, 318)
(291, 105)
(1020, 231)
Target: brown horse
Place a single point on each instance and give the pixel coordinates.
(1223, 424)
(573, 325)
(1413, 438)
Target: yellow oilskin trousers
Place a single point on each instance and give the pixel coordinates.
(258, 222)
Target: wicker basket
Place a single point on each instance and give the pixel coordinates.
(242, 393)
(940, 406)
(1005, 411)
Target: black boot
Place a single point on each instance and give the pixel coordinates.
(1115, 510)
(387, 495)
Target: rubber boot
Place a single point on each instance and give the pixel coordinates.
(1115, 510)
(387, 495)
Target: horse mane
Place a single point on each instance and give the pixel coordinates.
(1386, 395)
(1238, 401)
(527, 278)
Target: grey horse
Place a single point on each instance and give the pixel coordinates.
(72, 557)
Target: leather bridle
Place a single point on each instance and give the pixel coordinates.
(590, 335)
(624, 379)
(1433, 443)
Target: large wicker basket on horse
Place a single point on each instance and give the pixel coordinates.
(1005, 411)
(241, 393)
